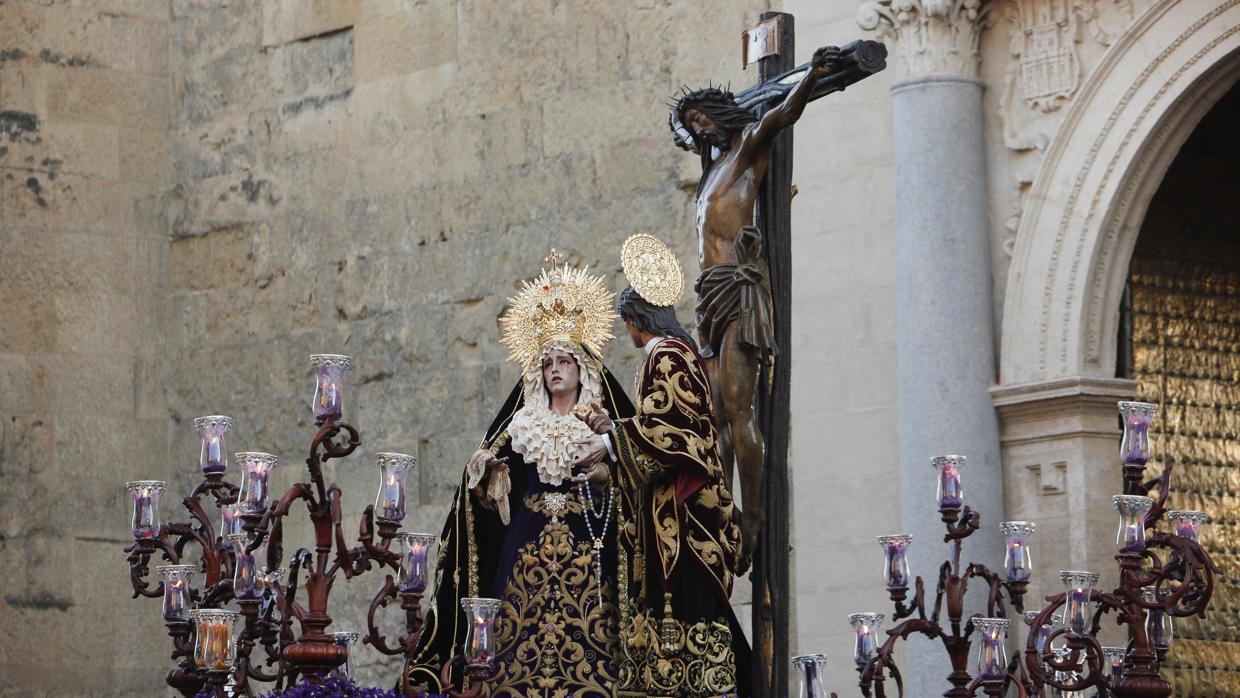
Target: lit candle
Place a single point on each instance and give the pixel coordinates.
(328, 384)
(390, 502)
(1187, 524)
(479, 644)
(865, 626)
(214, 642)
(950, 492)
(811, 668)
(1134, 448)
(177, 579)
(145, 495)
(992, 653)
(1017, 559)
(895, 569)
(256, 468)
(415, 548)
(211, 430)
(1078, 604)
(1132, 510)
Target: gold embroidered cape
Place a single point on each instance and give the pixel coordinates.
(670, 475)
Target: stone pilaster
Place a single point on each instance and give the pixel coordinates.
(945, 321)
(1060, 441)
(928, 37)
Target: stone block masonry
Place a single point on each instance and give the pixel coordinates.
(194, 196)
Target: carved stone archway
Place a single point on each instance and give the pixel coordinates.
(1084, 212)
(1056, 399)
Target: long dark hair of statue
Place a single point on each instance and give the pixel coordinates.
(659, 321)
(721, 107)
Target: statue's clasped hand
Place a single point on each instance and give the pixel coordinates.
(589, 465)
(594, 416)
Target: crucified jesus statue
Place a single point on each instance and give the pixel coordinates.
(734, 315)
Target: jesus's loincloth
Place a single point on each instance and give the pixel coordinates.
(737, 292)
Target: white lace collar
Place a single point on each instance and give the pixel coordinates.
(545, 440)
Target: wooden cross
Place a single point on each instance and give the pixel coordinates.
(772, 45)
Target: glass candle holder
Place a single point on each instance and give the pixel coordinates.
(329, 384)
(346, 639)
(390, 502)
(992, 652)
(1115, 657)
(810, 670)
(1187, 524)
(480, 635)
(215, 638)
(212, 430)
(1066, 676)
(950, 492)
(414, 572)
(269, 589)
(895, 567)
(145, 494)
(1017, 560)
(269, 579)
(177, 580)
(1078, 606)
(865, 627)
(255, 469)
(1134, 448)
(245, 572)
(1132, 509)
(1158, 623)
(1041, 633)
(230, 519)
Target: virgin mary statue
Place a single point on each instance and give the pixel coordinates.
(524, 528)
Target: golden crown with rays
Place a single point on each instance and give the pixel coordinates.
(562, 303)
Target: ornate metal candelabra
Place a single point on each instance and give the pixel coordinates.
(955, 631)
(1162, 575)
(1063, 654)
(207, 645)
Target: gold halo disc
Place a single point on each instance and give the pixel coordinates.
(652, 269)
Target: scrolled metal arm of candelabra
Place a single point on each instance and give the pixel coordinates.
(475, 674)
(873, 673)
(374, 636)
(1042, 664)
(997, 688)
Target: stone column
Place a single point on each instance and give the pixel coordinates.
(943, 289)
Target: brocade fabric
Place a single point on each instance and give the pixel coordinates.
(679, 538)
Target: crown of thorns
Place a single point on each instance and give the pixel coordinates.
(707, 96)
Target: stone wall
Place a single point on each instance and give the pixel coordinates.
(85, 102)
(199, 194)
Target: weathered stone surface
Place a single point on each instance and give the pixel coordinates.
(204, 193)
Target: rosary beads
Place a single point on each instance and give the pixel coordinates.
(601, 514)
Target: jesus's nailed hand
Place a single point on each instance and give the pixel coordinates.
(827, 59)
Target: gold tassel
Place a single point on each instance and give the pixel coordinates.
(670, 634)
